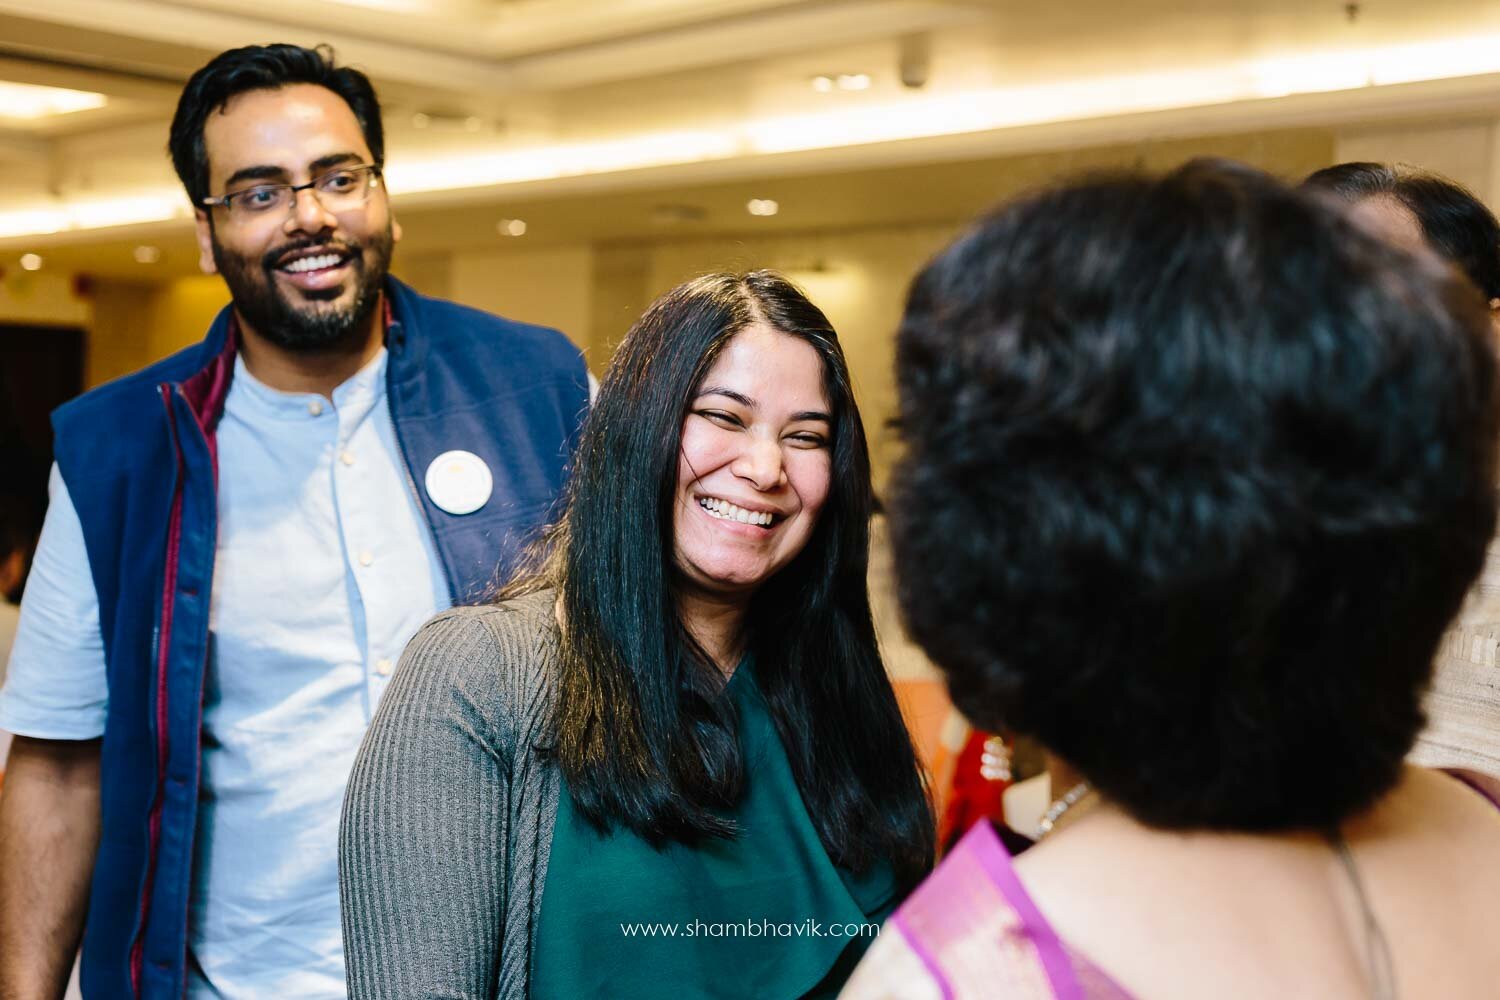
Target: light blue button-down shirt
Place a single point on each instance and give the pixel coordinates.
(324, 569)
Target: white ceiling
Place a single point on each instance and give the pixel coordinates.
(583, 83)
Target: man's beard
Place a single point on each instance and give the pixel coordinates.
(264, 306)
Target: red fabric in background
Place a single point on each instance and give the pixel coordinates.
(972, 797)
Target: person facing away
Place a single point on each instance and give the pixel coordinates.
(669, 761)
(241, 540)
(1417, 207)
(1223, 465)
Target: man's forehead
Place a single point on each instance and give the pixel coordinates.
(289, 127)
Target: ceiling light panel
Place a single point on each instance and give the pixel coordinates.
(396, 6)
(28, 102)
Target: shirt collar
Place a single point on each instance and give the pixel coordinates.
(359, 392)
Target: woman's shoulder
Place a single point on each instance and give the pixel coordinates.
(943, 940)
(498, 659)
(1460, 807)
(500, 635)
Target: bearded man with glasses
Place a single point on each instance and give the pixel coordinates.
(241, 539)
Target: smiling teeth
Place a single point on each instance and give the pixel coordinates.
(313, 263)
(729, 512)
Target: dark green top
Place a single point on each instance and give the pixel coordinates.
(754, 916)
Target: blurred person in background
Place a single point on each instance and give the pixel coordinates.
(1415, 207)
(240, 541)
(995, 780)
(19, 525)
(1222, 465)
(681, 720)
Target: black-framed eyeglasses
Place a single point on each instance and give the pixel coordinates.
(337, 190)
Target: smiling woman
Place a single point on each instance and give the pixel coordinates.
(678, 720)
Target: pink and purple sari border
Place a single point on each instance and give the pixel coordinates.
(985, 845)
(920, 949)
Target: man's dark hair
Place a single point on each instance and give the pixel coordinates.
(642, 736)
(1457, 224)
(262, 67)
(1198, 472)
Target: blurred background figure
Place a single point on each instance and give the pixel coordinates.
(19, 525)
(1223, 463)
(998, 780)
(1415, 207)
(18, 530)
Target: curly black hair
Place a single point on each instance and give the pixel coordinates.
(262, 67)
(1197, 473)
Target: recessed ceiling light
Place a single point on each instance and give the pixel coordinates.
(449, 119)
(827, 83)
(31, 262)
(147, 254)
(28, 101)
(511, 227)
(762, 206)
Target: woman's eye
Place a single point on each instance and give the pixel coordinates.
(721, 418)
(810, 440)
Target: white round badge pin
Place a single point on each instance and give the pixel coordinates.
(459, 482)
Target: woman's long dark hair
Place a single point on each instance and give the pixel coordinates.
(642, 735)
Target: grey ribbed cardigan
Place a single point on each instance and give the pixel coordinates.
(448, 817)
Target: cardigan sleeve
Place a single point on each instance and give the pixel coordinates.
(422, 845)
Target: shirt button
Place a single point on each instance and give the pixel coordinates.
(347, 457)
(383, 668)
(366, 558)
(315, 407)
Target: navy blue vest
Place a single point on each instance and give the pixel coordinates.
(138, 457)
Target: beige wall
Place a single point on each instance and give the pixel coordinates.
(182, 311)
(119, 333)
(129, 324)
(133, 323)
(41, 297)
(429, 273)
(551, 285)
(1465, 151)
